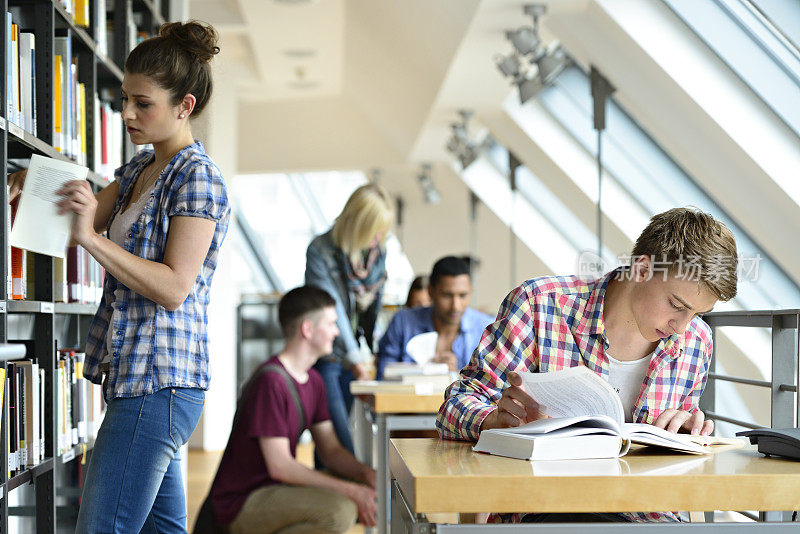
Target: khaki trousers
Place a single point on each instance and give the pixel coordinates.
(294, 510)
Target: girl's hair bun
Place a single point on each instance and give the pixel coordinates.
(195, 37)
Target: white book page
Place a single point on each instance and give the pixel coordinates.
(573, 391)
(38, 227)
(652, 435)
(422, 347)
(550, 426)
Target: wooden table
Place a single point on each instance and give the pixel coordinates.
(389, 411)
(436, 476)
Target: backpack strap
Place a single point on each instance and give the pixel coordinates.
(290, 385)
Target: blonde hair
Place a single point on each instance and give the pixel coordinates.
(367, 213)
(693, 242)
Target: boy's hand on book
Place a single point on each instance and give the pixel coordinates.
(514, 408)
(15, 182)
(675, 421)
(79, 199)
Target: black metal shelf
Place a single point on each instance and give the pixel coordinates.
(76, 451)
(75, 308)
(42, 320)
(37, 306)
(27, 144)
(46, 465)
(81, 36)
(28, 306)
(29, 474)
(150, 6)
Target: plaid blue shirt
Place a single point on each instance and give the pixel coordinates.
(154, 348)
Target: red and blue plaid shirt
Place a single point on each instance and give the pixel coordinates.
(551, 323)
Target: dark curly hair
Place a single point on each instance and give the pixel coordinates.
(178, 60)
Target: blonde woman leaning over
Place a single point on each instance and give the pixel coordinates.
(349, 262)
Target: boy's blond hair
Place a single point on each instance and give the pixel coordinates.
(367, 213)
(694, 244)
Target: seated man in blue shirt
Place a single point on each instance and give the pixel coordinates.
(459, 327)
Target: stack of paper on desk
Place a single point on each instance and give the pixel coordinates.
(372, 387)
(399, 370)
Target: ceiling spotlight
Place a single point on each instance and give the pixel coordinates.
(524, 39)
(532, 65)
(468, 156)
(429, 192)
(453, 145)
(460, 144)
(509, 65)
(374, 175)
(552, 64)
(529, 87)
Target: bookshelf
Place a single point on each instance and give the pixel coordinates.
(43, 498)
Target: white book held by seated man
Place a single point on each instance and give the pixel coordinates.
(38, 227)
(585, 420)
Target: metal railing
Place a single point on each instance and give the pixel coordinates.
(784, 326)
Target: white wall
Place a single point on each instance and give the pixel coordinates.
(217, 127)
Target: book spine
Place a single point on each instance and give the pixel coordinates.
(23, 416)
(13, 419)
(42, 404)
(58, 141)
(33, 86)
(9, 69)
(14, 114)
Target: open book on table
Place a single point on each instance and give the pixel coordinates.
(586, 420)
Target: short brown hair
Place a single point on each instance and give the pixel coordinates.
(298, 304)
(178, 60)
(689, 239)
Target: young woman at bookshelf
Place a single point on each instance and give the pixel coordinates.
(166, 215)
(349, 262)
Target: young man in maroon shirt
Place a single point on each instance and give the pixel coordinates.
(260, 486)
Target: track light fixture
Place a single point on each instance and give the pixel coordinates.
(460, 144)
(531, 65)
(430, 194)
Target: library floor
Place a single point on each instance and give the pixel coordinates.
(202, 466)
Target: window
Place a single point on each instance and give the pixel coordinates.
(741, 34)
(285, 212)
(656, 183)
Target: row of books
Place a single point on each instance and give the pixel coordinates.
(79, 408)
(79, 9)
(70, 102)
(20, 76)
(108, 140)
(24, 383)
(76, 278)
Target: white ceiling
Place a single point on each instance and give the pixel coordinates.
(400, 67)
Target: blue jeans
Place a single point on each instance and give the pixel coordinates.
(133, 483)
(337, 385)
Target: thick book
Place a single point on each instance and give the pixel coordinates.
(585, 420)
(31, 410)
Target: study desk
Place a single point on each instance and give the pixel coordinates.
(389, 411)
(438, 476)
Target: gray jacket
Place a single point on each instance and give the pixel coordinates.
(325, 269)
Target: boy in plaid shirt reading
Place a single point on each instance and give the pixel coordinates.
(638, 327)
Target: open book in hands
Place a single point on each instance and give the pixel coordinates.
(586, 420)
